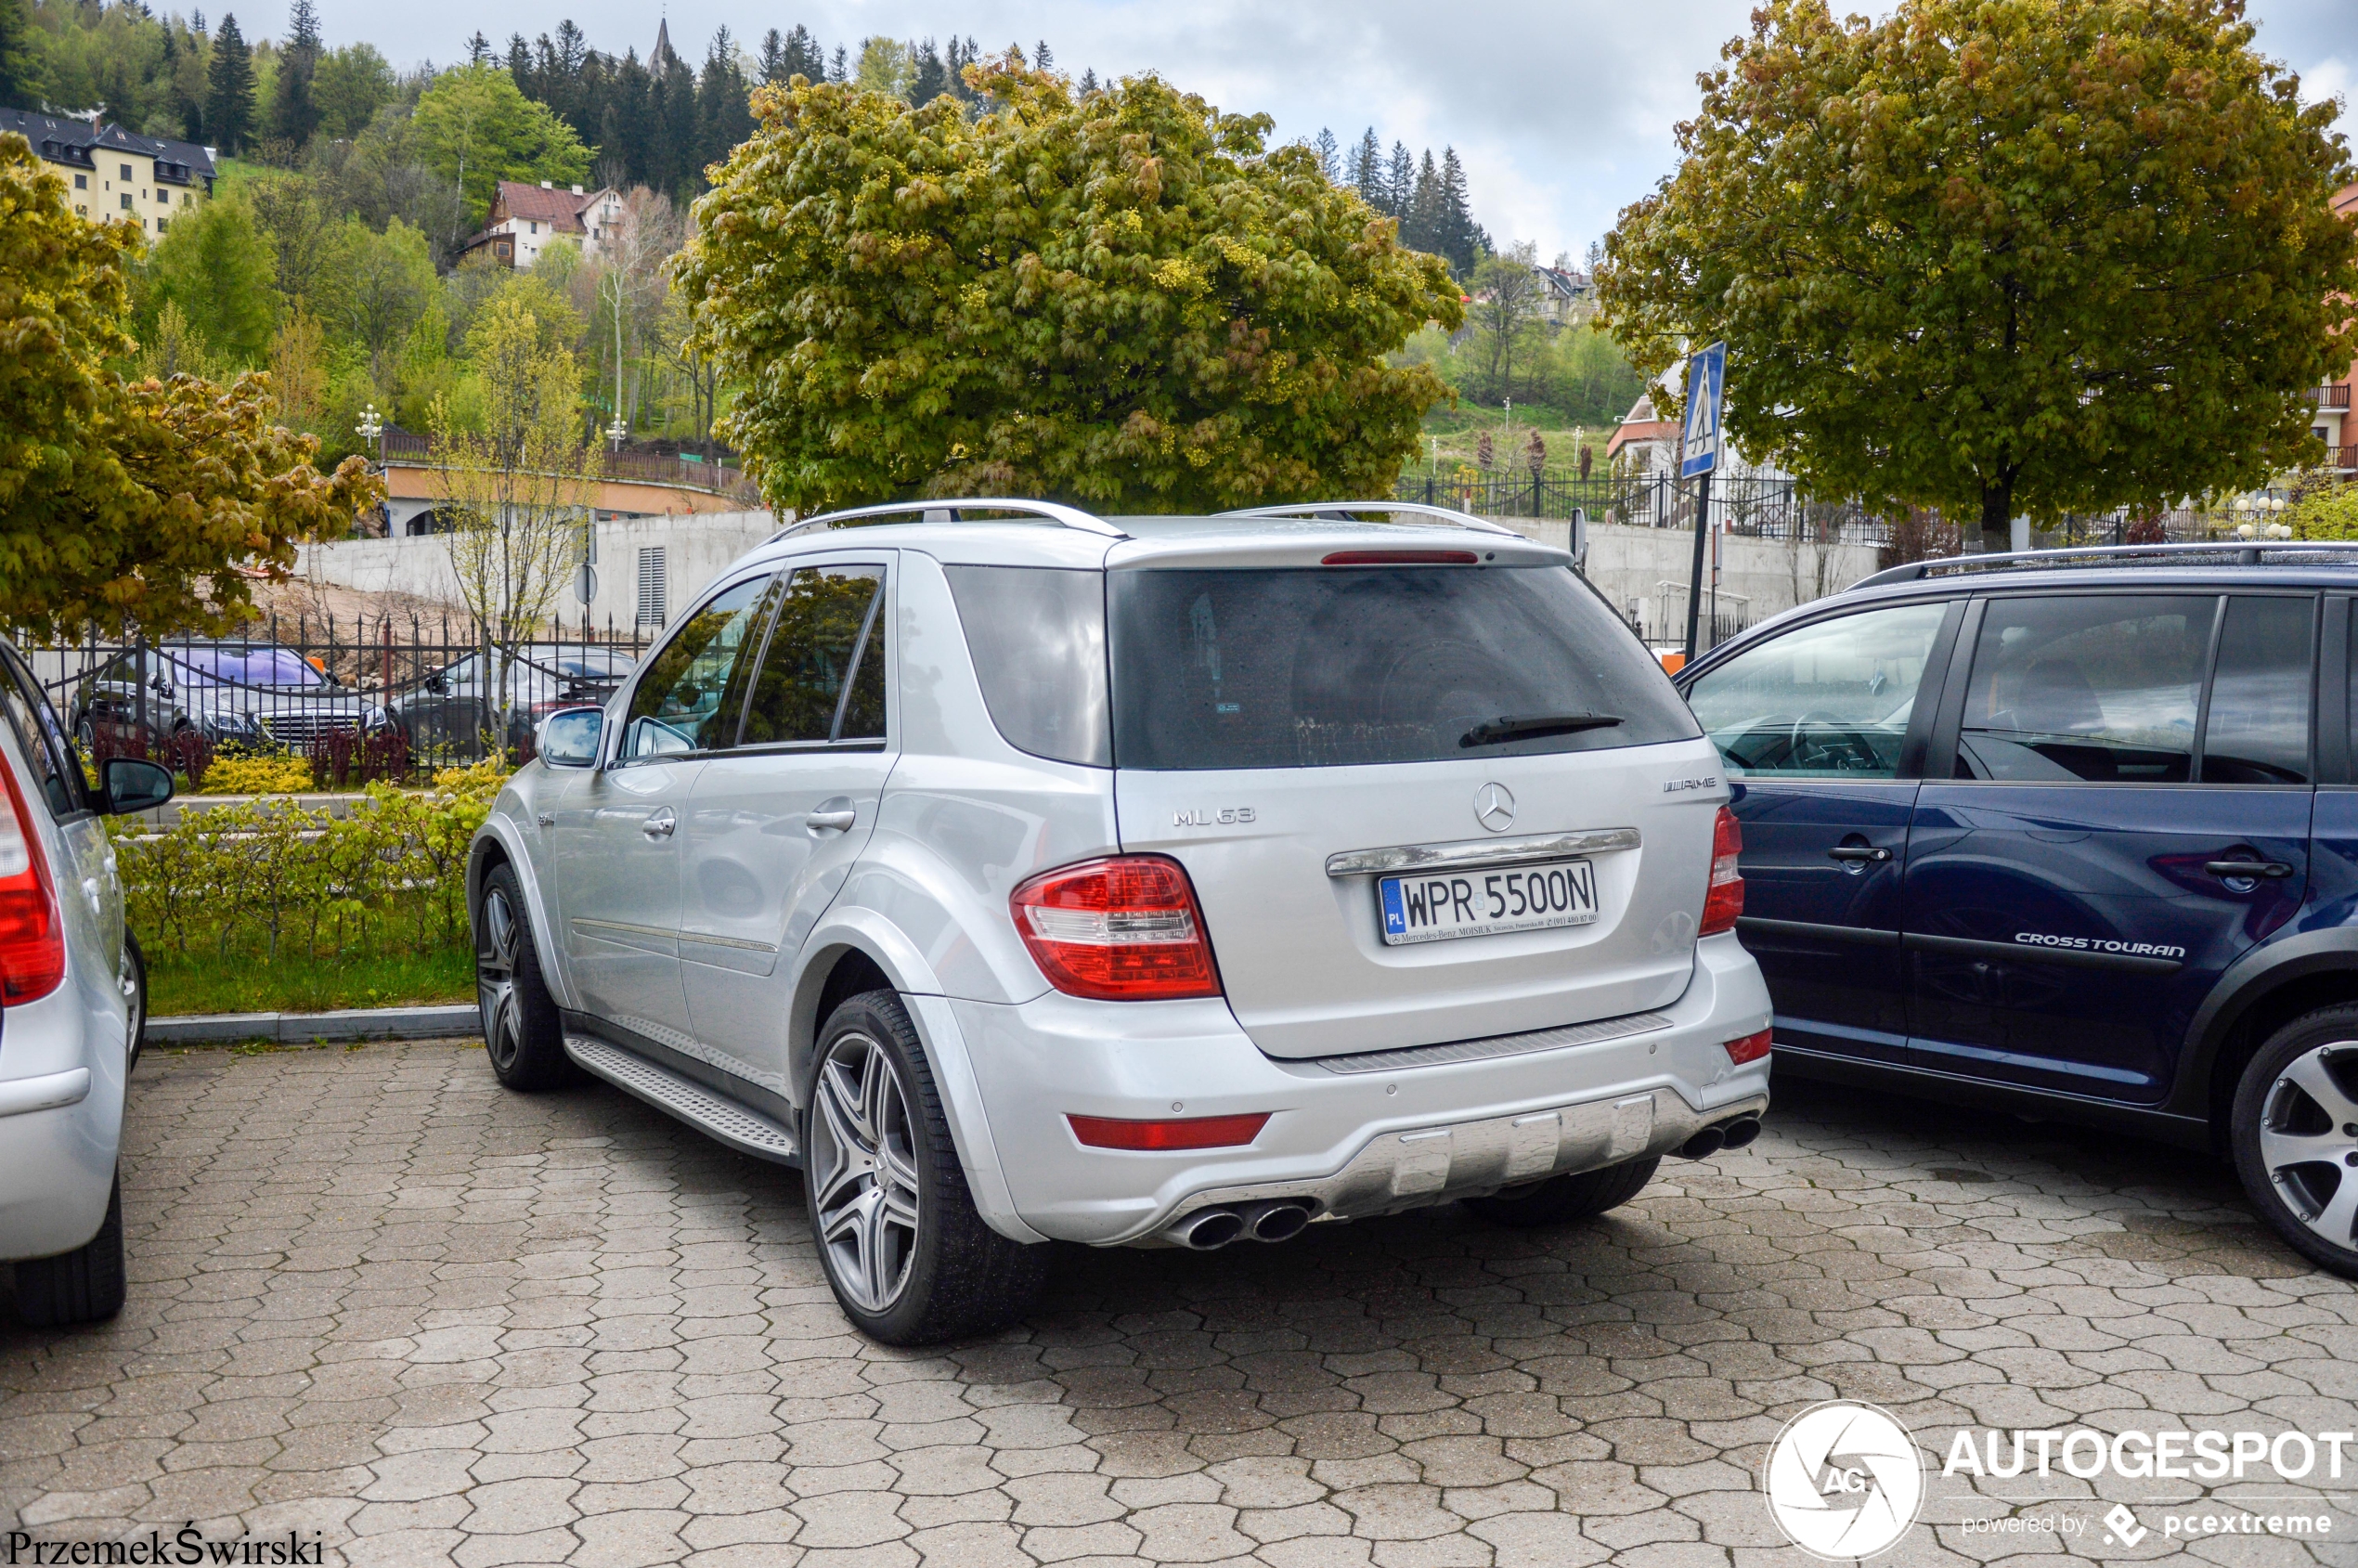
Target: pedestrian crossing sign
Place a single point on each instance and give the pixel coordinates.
(1707, 378)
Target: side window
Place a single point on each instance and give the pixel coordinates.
(40, 737)
(1829, 700)
(808, 687)
(2104, 687)
(680, 705)
(1037, 636)
(2258, 731)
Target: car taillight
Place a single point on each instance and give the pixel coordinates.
(33, 936)
(1724, 899)
(1194, 1132)
(1122, 929)
(1751, 1048)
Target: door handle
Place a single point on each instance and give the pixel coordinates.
(1875, 853)
(830, 819)
(2247, 869)
(659, 823)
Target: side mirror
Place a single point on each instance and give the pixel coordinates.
(437, 685)
(569, 737)
(130, 785)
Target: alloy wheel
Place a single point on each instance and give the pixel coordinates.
(2308, 1139)
(863, 1171)
(495, 980)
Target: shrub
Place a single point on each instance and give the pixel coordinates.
(261, 772)
(2324, 512)
(339, 757)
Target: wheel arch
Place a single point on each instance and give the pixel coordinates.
(855, 952)
(496, 845)
(2260, 993)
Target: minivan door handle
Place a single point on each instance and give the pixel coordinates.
(2269, 869)
(832, 816)
(1875, 852)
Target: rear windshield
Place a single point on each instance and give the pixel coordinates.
(1328, 667)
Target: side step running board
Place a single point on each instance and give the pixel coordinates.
(712, 1114)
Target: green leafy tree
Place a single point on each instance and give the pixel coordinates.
(349, 87)
(476, 129)
(2001, 257)
(218, 267)
(21, 78)
(1129, 301)
(229, 105)
(1508, 330)
(153, 501)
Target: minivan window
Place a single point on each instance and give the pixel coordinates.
(2258, 731)
(1335, 666)
(1037, 638)
(2101, 687)
(1828, 700)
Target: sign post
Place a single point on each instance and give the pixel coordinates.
(1698, 454)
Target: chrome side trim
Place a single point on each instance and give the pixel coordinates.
(581, 924)
(1494, 1045)
(713, 940)
(49, 1092)
(1481, 851)
(721, 1118)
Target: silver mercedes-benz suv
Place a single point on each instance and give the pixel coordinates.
(1024, 875)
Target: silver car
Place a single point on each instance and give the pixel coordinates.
(1023, 875)
(72, 1008)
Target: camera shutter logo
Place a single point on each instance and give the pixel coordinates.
(1844, 1481)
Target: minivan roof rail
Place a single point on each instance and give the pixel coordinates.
(2225, 552)
(1340, 512)
(954, 510)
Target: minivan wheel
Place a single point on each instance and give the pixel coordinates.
(909, 1259)
(520, 1031)
(82, 1286)
(131, 973)
(1559, 1199)
(2294, 1131)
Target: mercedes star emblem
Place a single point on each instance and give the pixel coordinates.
(1494, 807)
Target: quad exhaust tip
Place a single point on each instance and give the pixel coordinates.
(1208, 1229)
(1727, 1134)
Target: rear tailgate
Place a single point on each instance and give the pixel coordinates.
(1302, 953)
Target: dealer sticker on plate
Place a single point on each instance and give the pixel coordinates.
(1439, 905)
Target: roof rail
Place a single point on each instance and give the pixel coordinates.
(1344, 511)
(2224, 553)
(952, 512)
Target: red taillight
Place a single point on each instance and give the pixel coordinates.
(1196, 1131)
(1724, 899)
(1751, 1048)
(1121, 930)
(1401, 558)
(33, 937)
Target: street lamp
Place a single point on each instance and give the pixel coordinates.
(371, 429)
(616, 432)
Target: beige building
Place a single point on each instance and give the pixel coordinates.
(111, 173)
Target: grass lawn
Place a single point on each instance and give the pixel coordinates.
(204, 983)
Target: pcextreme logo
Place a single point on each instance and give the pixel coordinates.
(1845, 1481)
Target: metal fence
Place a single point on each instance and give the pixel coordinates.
(351, 701)
(686, 469)
(1751, 506)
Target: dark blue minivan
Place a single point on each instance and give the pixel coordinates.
(2072, 833)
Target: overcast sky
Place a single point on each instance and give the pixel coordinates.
(1562, 108)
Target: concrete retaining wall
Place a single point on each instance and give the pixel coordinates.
(1643, 572)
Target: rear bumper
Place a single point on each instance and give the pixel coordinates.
(61, 1122)
(1353, 1144)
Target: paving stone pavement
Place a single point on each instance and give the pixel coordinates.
(376, 1298)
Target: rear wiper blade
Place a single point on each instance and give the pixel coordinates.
(1499, 731)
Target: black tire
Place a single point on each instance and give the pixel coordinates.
(1560, 1199)
(134, 977)
(82, 1286)
(522, 1032)
(959, 1277)
(2293, 1132)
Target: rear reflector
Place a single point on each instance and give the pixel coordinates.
(33, 936)
(1402, 558)
(1724, 899)
(1751, 1048)
(1125, 928)
(1196, 1131)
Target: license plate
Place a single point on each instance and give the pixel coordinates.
(1438, 905)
